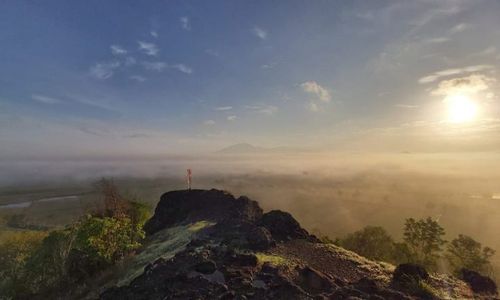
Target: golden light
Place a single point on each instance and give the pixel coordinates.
(461, 109)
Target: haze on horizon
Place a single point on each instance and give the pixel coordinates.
(128, 78)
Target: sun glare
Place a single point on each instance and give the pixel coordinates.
(461, 109)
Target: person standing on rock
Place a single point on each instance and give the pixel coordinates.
(189, 179)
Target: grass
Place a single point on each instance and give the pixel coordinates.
(164, 244)
(274, 260)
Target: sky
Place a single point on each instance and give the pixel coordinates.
(91, 78)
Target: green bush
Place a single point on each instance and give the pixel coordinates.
(46, 267)
(108, 239)
(424, 239)
(15, 250)
(465, 252)
(372, 242)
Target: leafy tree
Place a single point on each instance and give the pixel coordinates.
(372, 242)
(108, 239)
(465, 252)
(15, 250)
(402, 253)
(46, 267)
(424, 239)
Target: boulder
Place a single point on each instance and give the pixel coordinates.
(194, 205)
(314, 281)
(478, 283)
(206, 267)
(407, 272)
(260, 239)
(282, 226)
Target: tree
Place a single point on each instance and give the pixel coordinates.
(372, 242)
(424, 239)
(465, 252)
(108, 239)
(114, 204)
(15, 250)
(46, 267)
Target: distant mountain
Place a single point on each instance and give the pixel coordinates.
(241, 148)
(245, 148)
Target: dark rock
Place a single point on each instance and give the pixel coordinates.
(260, 238)
(229, 295)
(243, 260)
(314, 281)
(206, 267)
(283, 226)
(408, 272)
(193, 205)
(478, 283)
(269, 268)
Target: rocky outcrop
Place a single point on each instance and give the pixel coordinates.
(479, 284)
(251, 255)
(283, 227)
(194, 205)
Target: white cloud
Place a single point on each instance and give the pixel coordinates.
(457, 71)
(45, 99)
(259, 32)
(313, 107)
(148, 48)
(231, 118)
(130, 61)
(312, 87)
(104, 70)
(209, 122)
(117, 50)
(183, 68)
(154, 34)
(185, 23)
(471, 84)
(437, 40)
(138, 78)
(212, 52)
(459, 28)
(406, 106)
(263, 109)
(268, 66)
(155, 65)
(222, 108)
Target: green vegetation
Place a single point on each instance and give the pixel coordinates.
(465, 252)
(372, 242)
(422, 244)
(420, 288)
(272, 259)
(15, 250)
(38, 262)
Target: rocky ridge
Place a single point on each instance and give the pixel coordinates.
(248, 254)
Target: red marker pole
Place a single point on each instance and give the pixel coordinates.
(189, 178)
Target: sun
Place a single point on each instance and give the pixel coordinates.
(461, 109)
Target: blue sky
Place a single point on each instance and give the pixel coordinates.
(128, 77)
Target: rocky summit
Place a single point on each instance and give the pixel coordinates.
(239, 252)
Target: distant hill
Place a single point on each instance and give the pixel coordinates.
(241, 148)
(245, 148)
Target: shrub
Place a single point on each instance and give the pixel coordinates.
(46, 267)
(424, 241)
(108, 239)
(372, 242)
(465, 252)
(15, 249)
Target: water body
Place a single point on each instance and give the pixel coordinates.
(26, 204)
